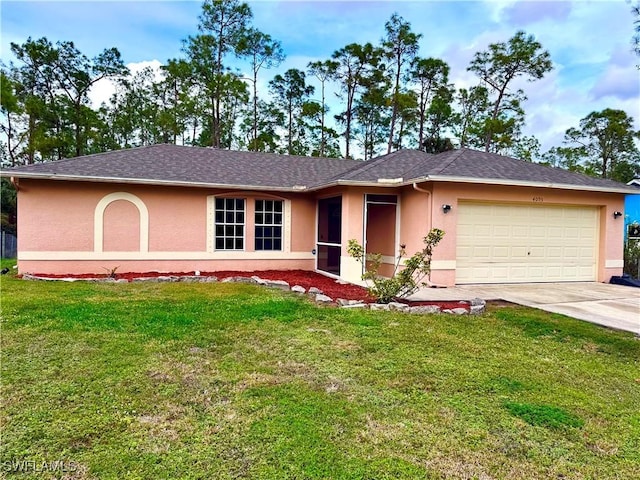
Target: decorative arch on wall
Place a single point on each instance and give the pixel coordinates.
(98, 221)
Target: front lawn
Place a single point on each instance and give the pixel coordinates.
(219, 380)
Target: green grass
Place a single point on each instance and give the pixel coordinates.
(235, 381)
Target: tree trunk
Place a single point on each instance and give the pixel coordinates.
(322, 140)
(394, 114)
(255, 110)
(494, 115)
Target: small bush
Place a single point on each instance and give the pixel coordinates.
(404, 281)
(632, 258)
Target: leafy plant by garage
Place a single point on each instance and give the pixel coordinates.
(405, 280)
(632, 258)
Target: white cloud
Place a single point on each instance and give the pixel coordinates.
(102, 90)
(527, 13)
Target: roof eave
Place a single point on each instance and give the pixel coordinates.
(524, 183)
(300, 188)
(147, 181)
(394, 183)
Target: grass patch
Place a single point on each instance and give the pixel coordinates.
(153, 380)
(543, 415)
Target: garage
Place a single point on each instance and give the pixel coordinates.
(516, 243)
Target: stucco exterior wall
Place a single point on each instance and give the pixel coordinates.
(610, 251)
(121, 227)
(82, 227)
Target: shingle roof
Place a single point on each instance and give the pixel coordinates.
(182, 165)
(409, 166)
(468, 163)
(394, 165)
(193, 165)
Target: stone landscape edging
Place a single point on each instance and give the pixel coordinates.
(476, 306)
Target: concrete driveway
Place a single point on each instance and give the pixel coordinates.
(614, 306)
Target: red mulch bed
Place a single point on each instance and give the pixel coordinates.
(304, 278)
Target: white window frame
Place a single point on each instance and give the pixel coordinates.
(225, 224)
(273, 224)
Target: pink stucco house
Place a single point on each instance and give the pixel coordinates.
(176, 208)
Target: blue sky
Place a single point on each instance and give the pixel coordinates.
(589, 41)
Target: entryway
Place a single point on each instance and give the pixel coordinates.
(381, 212)
(329, 241)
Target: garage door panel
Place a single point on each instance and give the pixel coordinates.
(501, 252)
(552, 231)
(538, 231)
(502, 231)
(585, 252)
(525, 243)
(540, 252)
(554, 252)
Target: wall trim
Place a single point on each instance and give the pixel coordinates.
(221, 255)
(443, 264)
(614, 264)
(98, 219)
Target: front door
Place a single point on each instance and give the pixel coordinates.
(329, 241)
(380, 230)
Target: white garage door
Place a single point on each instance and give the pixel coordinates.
(501, 243)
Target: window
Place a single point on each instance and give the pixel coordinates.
(229, 224)
(390, 199)
(268, 225)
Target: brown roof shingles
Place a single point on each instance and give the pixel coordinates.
(468, 163)
(172, 164)
(194, 165)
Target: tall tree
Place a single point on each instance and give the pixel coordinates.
(323, 71)
(635, 11)
(372, 119)
(36, 91)
(269, 118)
(12, 112)
(406, 119)
(291, 93)
(567, 158)
(499, 66)
(321, 140)
(400, 46)
(133, 113)
(8, 206)
(355, 64)
(606, 142)
(75, 75)
(439, 118)
(223, 24)
(430, 74)
(175, 94)
(469, 120)
(526, 148)
(263, 52)
(55, 82)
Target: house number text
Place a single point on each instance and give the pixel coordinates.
(538, 199)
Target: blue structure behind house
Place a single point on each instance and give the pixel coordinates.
(632, 208)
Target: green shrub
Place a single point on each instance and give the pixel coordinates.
(404, 281)
(632, 258)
